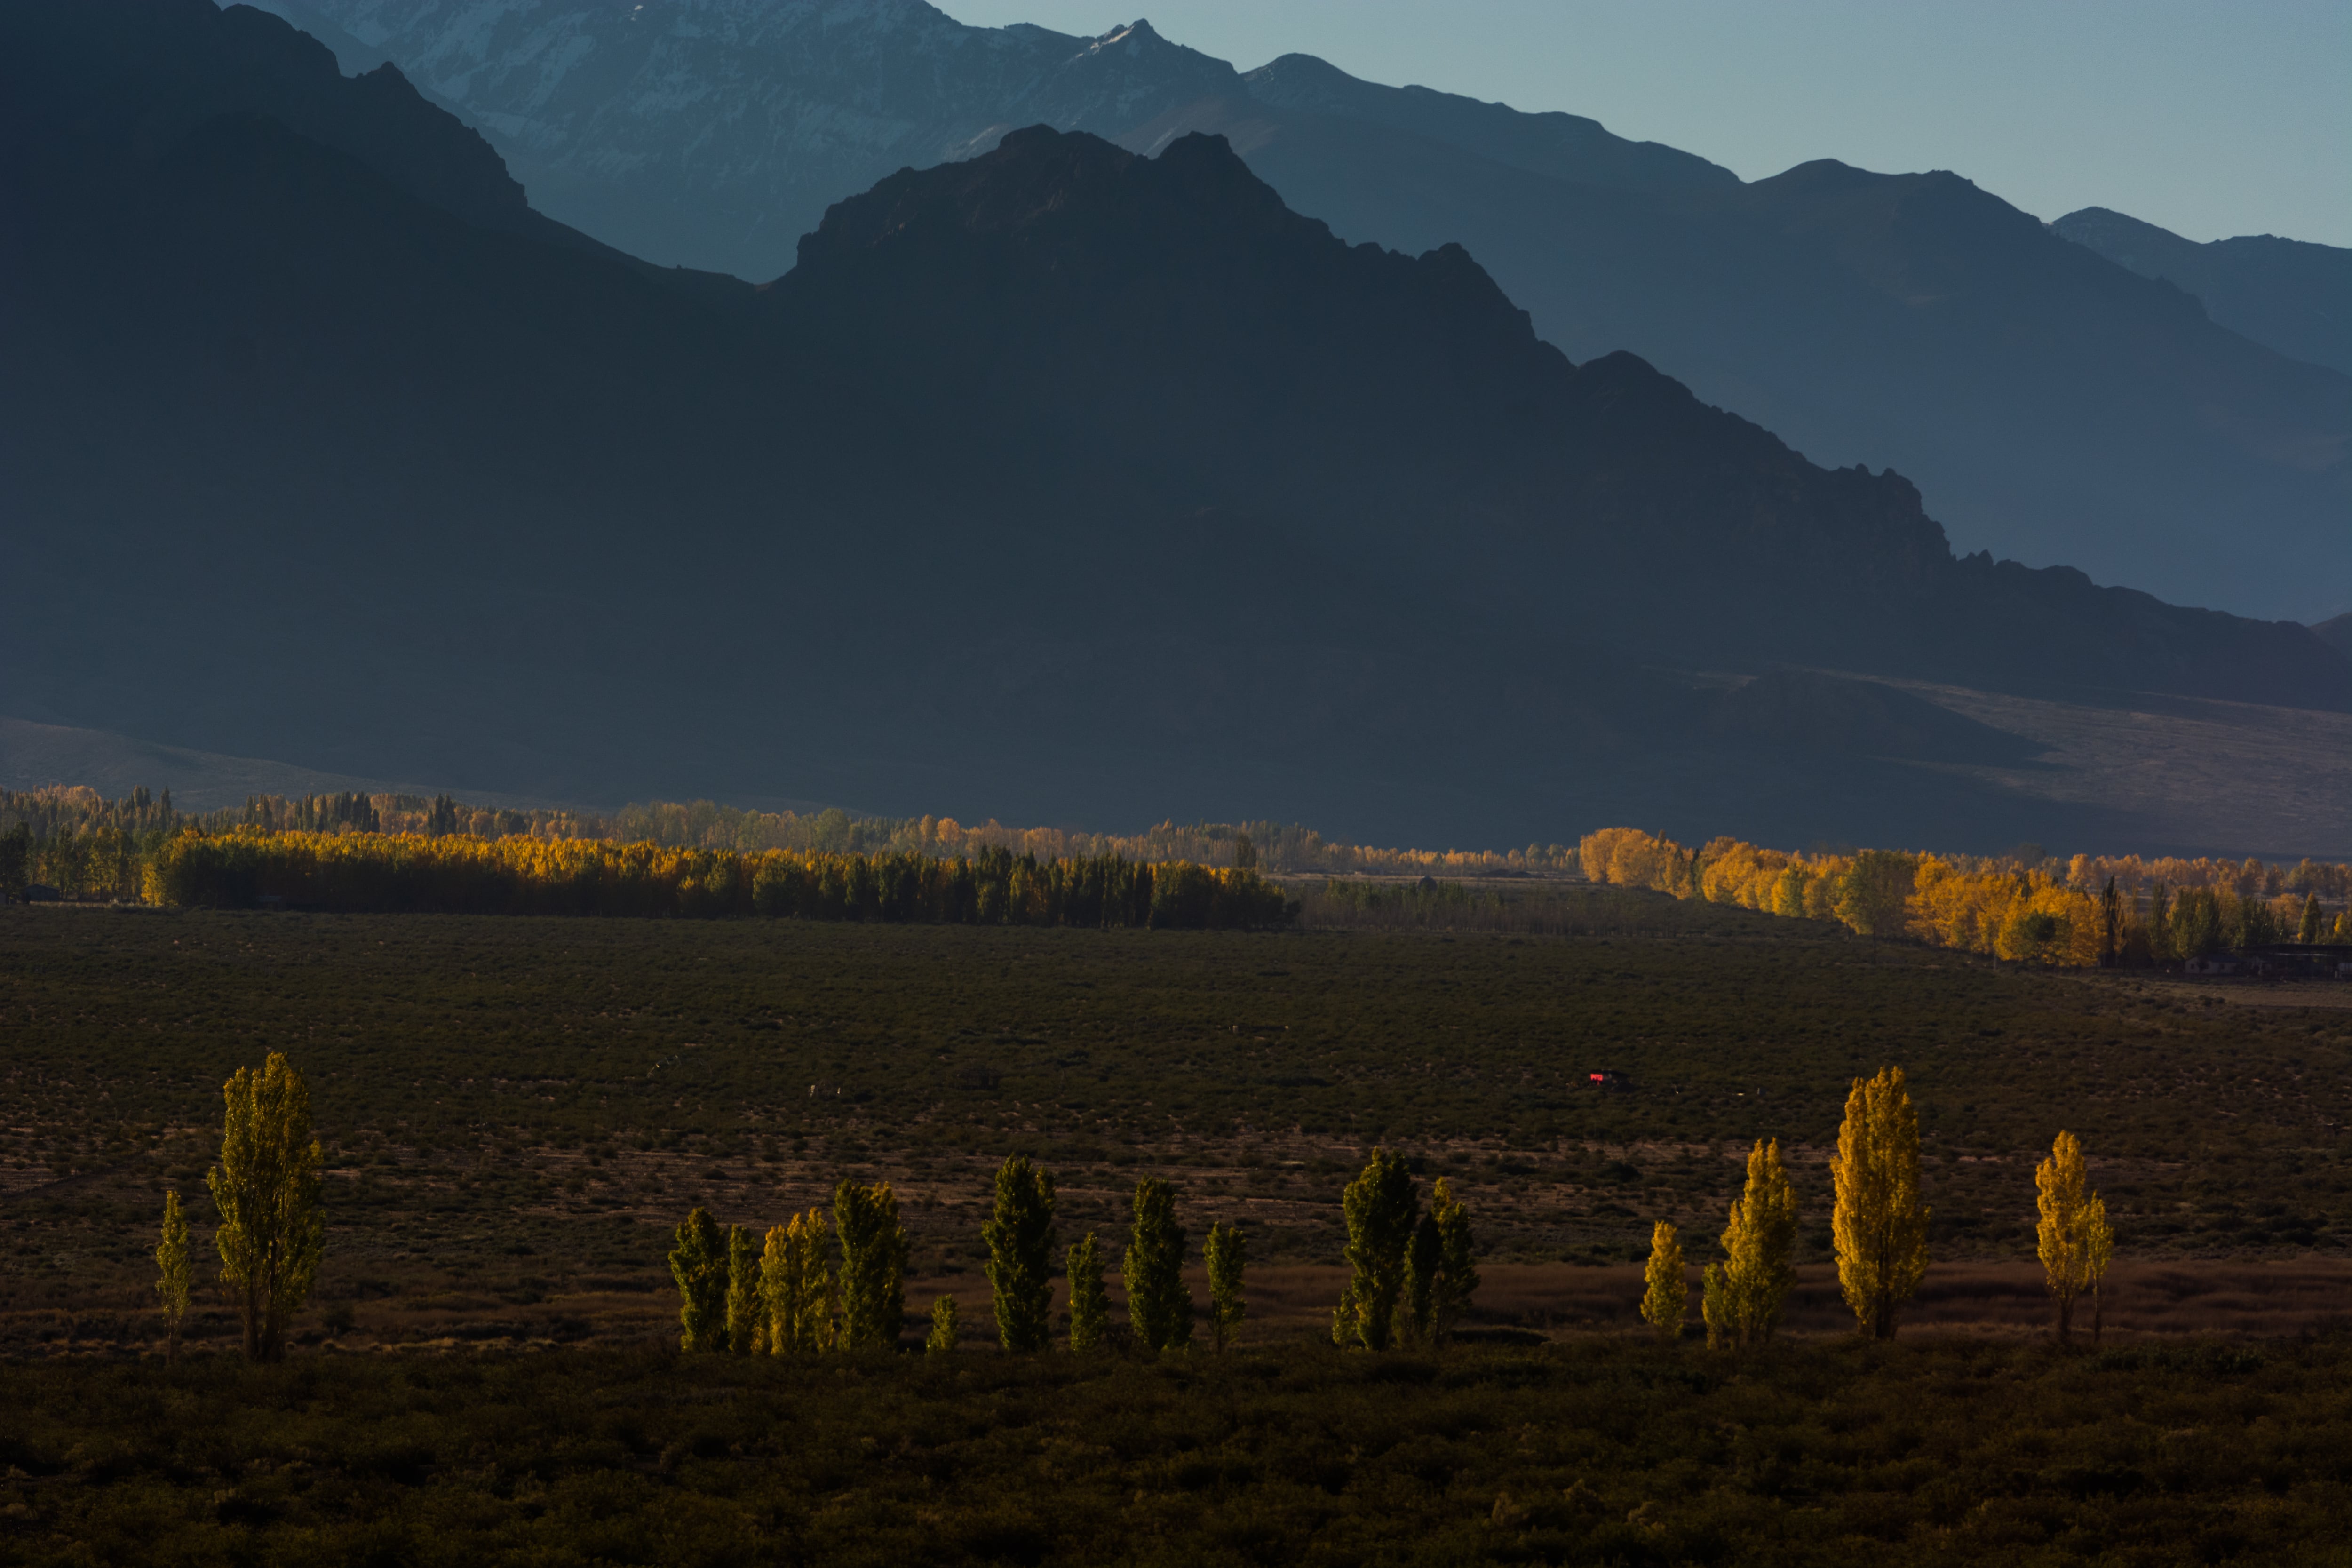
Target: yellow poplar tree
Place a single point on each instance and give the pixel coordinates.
(2075, 1242)
(267, 1189)
(1666, 1302)
(1880, 1224)
(2098, 1251)
(1746, 1291)
(174, 1272)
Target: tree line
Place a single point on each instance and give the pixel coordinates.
(1878, 1229)
(409, 873)
(86, 847)
(2012, 907)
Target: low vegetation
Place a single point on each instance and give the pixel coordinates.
(1591, 1451)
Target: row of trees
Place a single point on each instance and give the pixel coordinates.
(1995, 907)
(836, 1281)
(1878, 1226)
(820, 1283)
(581, 877)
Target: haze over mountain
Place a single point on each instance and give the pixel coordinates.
(1059, 484)
(2285, 294)
(2055, 408)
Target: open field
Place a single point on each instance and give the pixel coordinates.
(518, 1110)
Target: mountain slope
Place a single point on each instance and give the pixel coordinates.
(2285, 294)
(2054, 407)
(1060, 484)
(715, 132)
(2054, 411)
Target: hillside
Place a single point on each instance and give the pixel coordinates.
(2054, 407)
(1060, 485)
(2285, 294)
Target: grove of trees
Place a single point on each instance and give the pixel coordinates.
(2081, 913)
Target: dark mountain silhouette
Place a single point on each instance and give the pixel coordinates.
(2054, 407)
(2337, 633)
(2285, 294)
(1058, 484)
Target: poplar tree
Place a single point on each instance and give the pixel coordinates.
(1666, 1301)
(2074, 1237)
(873, 1265)
(796, 1285)
(1457, 1259)
(1019, 1237)
(1089, 1302)
(1379, 1207)
(743, 1325)
(777, 1297)
(267, 1190)
(2098, 1251)
(699, 1263)
(943, 1337)
(2309, 931)
(1880, 1224)
(1159, 1302)
(1744, 1293)
(1226, 1251)
(1418, 1298)
(174, 1272)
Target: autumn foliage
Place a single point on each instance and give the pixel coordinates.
(392, 873)
(2078, 913)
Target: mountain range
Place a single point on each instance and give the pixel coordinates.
(2059, 407)
(1060, 483)
(2287, 294)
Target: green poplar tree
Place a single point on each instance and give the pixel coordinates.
(2313, 922)
(796, 1285)
(1226, 1251)
(1159, 1302)
(1019, 1237)
(174, 1273)
(699, 1263)
(1457, 1259)
(1379, 1205)
(267, 1190)
(1418, 1300)
(873, 1265)
(1089, 1302)
(742, 1291)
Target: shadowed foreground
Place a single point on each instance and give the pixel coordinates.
(1928, 1450)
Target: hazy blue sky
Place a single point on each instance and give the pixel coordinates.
(2213, 118)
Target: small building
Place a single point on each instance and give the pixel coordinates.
(2300, 961)
(35, 893)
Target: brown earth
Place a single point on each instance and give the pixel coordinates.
(1516, 1301)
